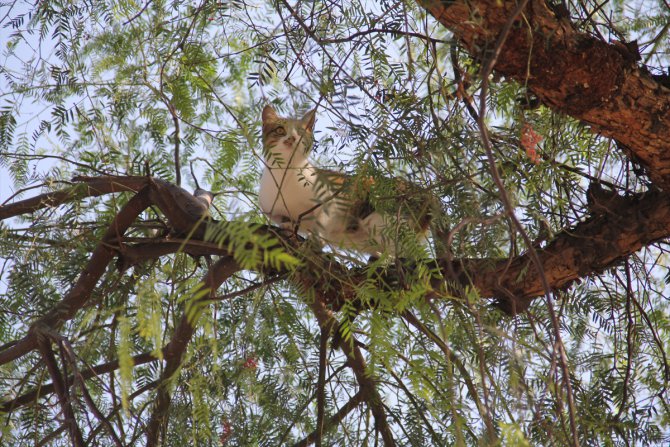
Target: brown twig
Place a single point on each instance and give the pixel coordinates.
(60, 386)
(334, 420)
(453, 358)
(486, 71)
(356, 361)
(321, 387)
(393, 32)
(43, 390)
(67, 349)
(139, 13)
(630, 328)
(80, 292)
(176, 348)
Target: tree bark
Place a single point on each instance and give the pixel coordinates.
(614, 231)
(571, 72)
(618, 227)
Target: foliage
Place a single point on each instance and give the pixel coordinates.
(91, 88)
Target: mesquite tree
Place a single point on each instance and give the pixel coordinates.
(534, 313)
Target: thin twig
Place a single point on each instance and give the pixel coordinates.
(453, 358)
(380, 31)
(66, 347)
(245, 291)
(630, 327)
(176, 348)
(357, 363)
(43, 390)
(321, 386)
(486, 71)
(146, 5)
(44, 343)
(334, 420)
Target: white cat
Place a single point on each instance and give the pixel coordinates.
(328, 204)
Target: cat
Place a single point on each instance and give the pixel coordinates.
(331, 205)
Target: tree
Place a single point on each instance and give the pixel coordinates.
(535, 314)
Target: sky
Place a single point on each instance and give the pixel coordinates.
(31, 113)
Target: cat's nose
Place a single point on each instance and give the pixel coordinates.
(289, 140)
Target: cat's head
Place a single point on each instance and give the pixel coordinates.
(287, 141)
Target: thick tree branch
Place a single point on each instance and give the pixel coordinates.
(81, 290)
(572, 72)
(616, 230)
(186, 214)
(101, 186)
(619, 226)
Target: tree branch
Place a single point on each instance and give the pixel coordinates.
(101, 186)
(43, 390)
(175, 349)
(70, 356)
(334, 420)
(61, 388)
(78, 295)
(321, 387)
(617, 228)
(451, 357)
(186, 214)
(571, 72)
(356, 361)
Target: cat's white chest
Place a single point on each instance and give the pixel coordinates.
(288, 195)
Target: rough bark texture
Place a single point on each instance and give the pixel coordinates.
(618, 227)
(615, 230)
(576, 73)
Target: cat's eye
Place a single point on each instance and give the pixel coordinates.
(280, 131)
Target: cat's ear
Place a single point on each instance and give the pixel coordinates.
(309, 119)
(269, 114)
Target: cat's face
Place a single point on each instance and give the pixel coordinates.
(285, 140)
